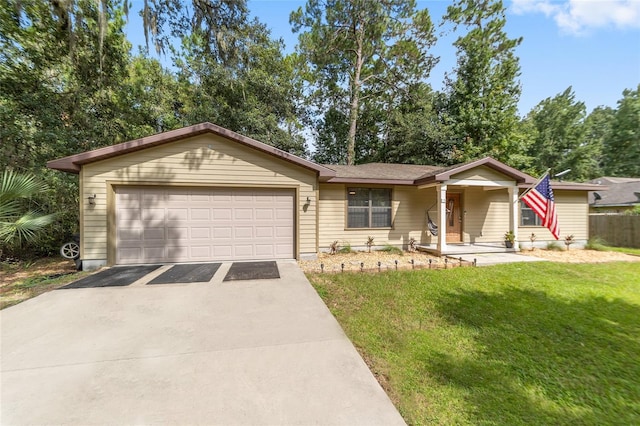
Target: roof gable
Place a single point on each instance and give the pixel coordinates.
(73, 163)
(446, 173)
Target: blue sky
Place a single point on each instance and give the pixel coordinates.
(591, 45)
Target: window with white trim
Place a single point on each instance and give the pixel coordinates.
(368, 208)
(528, 217)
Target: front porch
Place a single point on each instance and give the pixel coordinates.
(456, 249)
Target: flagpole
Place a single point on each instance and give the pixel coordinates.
(535, 184)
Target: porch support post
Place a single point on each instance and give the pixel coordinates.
(513, 213)
(442, 218)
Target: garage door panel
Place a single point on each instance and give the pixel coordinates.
(125, 234)
(243, 232)
(200, 233)
(243, 251)
(284, 214)
(264, 231)
(284, 232)
(200, 252)
(222, 214)
(177, 234)
(264, 250)
(154, 234)
(243, 214)
(200, 214)
(157, 214)
(164, 224)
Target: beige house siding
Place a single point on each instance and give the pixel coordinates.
(572, 209)
(487, 214)
(408, 210)
(481, 173)
(204, 160)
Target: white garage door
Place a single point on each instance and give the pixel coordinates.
(161, 224)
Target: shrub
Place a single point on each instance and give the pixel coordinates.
(554, 246)
(346, 247)
(388, 248)
(596, 243)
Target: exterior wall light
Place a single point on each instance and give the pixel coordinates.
(92, 199)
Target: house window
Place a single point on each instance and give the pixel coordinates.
(527, 216)
(369, 208)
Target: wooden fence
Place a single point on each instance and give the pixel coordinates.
(616, 229)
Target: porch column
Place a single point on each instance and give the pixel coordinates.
(442, 218)
(513, 213)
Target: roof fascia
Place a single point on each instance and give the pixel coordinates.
(445, 175)
(73, 163)
(371, 181)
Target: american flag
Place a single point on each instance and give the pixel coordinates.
(541, 201)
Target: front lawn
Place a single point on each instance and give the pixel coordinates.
(524, 343)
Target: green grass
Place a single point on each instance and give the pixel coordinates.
(601, 245)
(392, 250)
(516, 344)
(626, 250)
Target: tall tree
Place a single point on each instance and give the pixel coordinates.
(561, 141)
(622, 147)
(485, 92)
(357, 48)
(418, 129)
(597, 130)
(253, 92)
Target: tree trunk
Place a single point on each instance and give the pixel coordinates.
(355, 97)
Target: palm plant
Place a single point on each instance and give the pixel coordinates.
(17, 226)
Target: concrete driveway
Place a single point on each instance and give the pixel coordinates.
(238, 352)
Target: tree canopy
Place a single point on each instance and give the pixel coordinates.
(358, 88)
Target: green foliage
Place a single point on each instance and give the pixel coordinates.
(485, 92)
(554, 246)
(16, 225)
(388, 248)
(622, 147)
(634, 211)
(518, 344)
(596, 243)
(510, 236)
(559, 137)
(345, 248)
(355, 51)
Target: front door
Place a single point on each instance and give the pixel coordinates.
(454, 219)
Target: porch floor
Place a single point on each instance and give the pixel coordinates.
(466, 248)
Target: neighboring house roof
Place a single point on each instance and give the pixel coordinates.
(622, 192)
(73, 163)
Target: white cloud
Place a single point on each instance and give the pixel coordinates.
(579, 16)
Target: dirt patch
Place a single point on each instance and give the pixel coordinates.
(369, 261)
(23, 280)
(353, 262)
(581, 256)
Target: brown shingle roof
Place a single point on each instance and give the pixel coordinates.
(73, 163)
(380, 172)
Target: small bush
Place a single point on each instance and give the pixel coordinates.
(346, 247)
(596, 243)
(554, 246)
(391, 249)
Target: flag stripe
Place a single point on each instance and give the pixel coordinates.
(541, 201)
